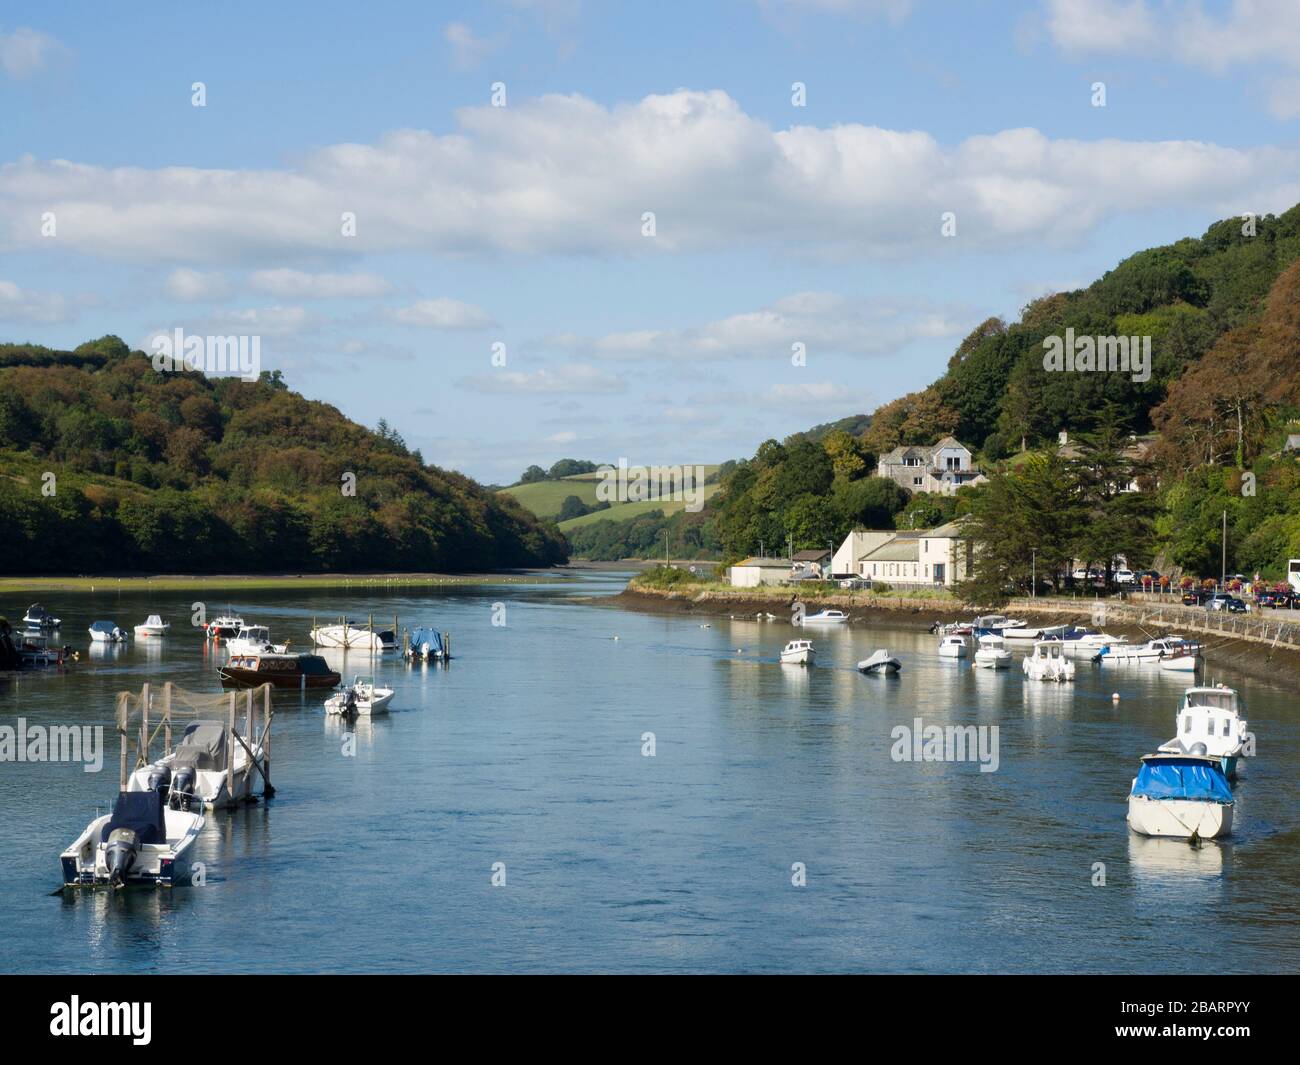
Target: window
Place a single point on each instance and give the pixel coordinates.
(1209, 726)
(1227, 728)
(1187, 725)
(916, 481)
(952, 462)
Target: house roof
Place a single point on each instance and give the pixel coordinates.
(812, 556)
(766, 563)
(895, 551)
(950, 530)
(1292, 442)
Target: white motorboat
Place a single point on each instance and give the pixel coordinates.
(1048, 662)
(153, 625)
(1079, 639)
(1181, 664)
(995, 625)
(992, 653)
(107, 632)
(953, 647)
(880, 662)
(799, 653)
(225, 626)
(361, 697)
(1021, 631)
(254, 640)
(1183, 796)
(1150, 652)
(1209, 724)
(37, 617)
(826, 617)
(352, 638)
(426, 645)
(147, 839)
(208, 764)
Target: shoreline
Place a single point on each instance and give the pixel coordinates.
(1277, 665)
(272, 581)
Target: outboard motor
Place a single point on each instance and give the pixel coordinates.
(160, 776)
(182, 786)
(120, 854)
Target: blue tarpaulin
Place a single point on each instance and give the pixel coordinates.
(426, 642)
(1182, 778)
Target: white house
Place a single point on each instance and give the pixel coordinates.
(942, 468)
(928, 558)
(753, 572)
(857, 544)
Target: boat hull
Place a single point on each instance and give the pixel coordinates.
(235, 677)
(798, 658)
(993, 659)
(1179, 818)
(156, 864)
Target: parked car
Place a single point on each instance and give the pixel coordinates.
(1266, 599)
(1125, 576)
(1194, 597)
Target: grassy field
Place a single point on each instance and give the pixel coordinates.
(360, 582)
(623, 511)
(544, 498)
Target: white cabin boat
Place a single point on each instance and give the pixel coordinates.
(799, 653)
(880, 662)
(153, 625)
(254, 640)
(1181, 664)
(37, 617)
(352, 638)
(827, 617)
(1150, 652)
(992, 653)
(1048, 662)
(953, 647)
(207, 764)
(1209, 724)
(106, 632)
(1022, 632)
(1182, 796)
(147, 839)
(362, 697)
(225, 626)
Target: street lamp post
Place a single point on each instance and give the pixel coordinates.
(1033, 573)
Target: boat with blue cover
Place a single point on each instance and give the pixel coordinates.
(1181, 796)
(425, 645)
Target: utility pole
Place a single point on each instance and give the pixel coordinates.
(1223, 572)
(1033, 574)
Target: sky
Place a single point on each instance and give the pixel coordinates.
(661, 232)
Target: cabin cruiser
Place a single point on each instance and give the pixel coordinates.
(1210, 725)
(953, 647)
(37, 617)
(1048, 662)
(880, 662)
(826, 617)
(107, 632)
(362, 697)
(153, 626)
(992, 653)
(799, 653)
(254, 640)
(1152, 651)
(278, 670)
(425, 645)
(147, 839)
(1184, 796)
(209, 767)
(353, 638)
(225, 626)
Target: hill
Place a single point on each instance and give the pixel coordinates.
(108, 465)
(546, 498)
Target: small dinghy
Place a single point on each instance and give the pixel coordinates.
(145, 840)
(153, 626)
(362, 697)
(200, 771)
(1181, 796)
(953, 646)
(1181, 664)
(37, 617)
(1048, 662)
(880, 662)
(799, 653)
(992, 653)
(107, 632)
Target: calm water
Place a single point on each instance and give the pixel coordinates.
(527, 752)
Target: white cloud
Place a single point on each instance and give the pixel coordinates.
(467, 47)
(1101, 25)
(562, 174)
(37, 308)
(823, 322)
(191, 286)
(297, 285)
(569, 379)
(443, 313)
(24, 52)
(567, 437)
(812, 394)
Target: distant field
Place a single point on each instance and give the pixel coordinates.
(544, 498)
(623, 511)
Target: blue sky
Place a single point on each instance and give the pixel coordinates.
(522, 225)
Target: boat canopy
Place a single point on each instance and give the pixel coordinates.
(422, 638)
(141, 812)
(104, 626)
(1182, 778)
(203, 745)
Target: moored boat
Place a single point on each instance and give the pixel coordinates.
(826, 617)
(1181, 796)
(1150, 652)
(992, 653)
(425, 645)
(799, 653)
(880, 662)
(254, 640)
(153, 625)
(1048, 662)
(37, 617)
(225, 626)
(351, 637)
(209, 764)
(107, 632)
(360, 697)
(953, 646)
(147, 839)
(1209, 724)
(278, 670)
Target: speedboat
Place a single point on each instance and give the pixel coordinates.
(145, 840)
(362, 697)
(254, 640)
(1048, 662)
(107, 632)
(826, 617)
(425, 645)
(278, 670)
(1184, 796)
(1210, 725)
(225, 626)
(208, 766)
(799, 653)
(992, 653)
(1152, 651)
(880, 662)
(153, 626)
(953, 647)
(353, 638)
(37, 617)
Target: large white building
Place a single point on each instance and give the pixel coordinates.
(915, 558)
